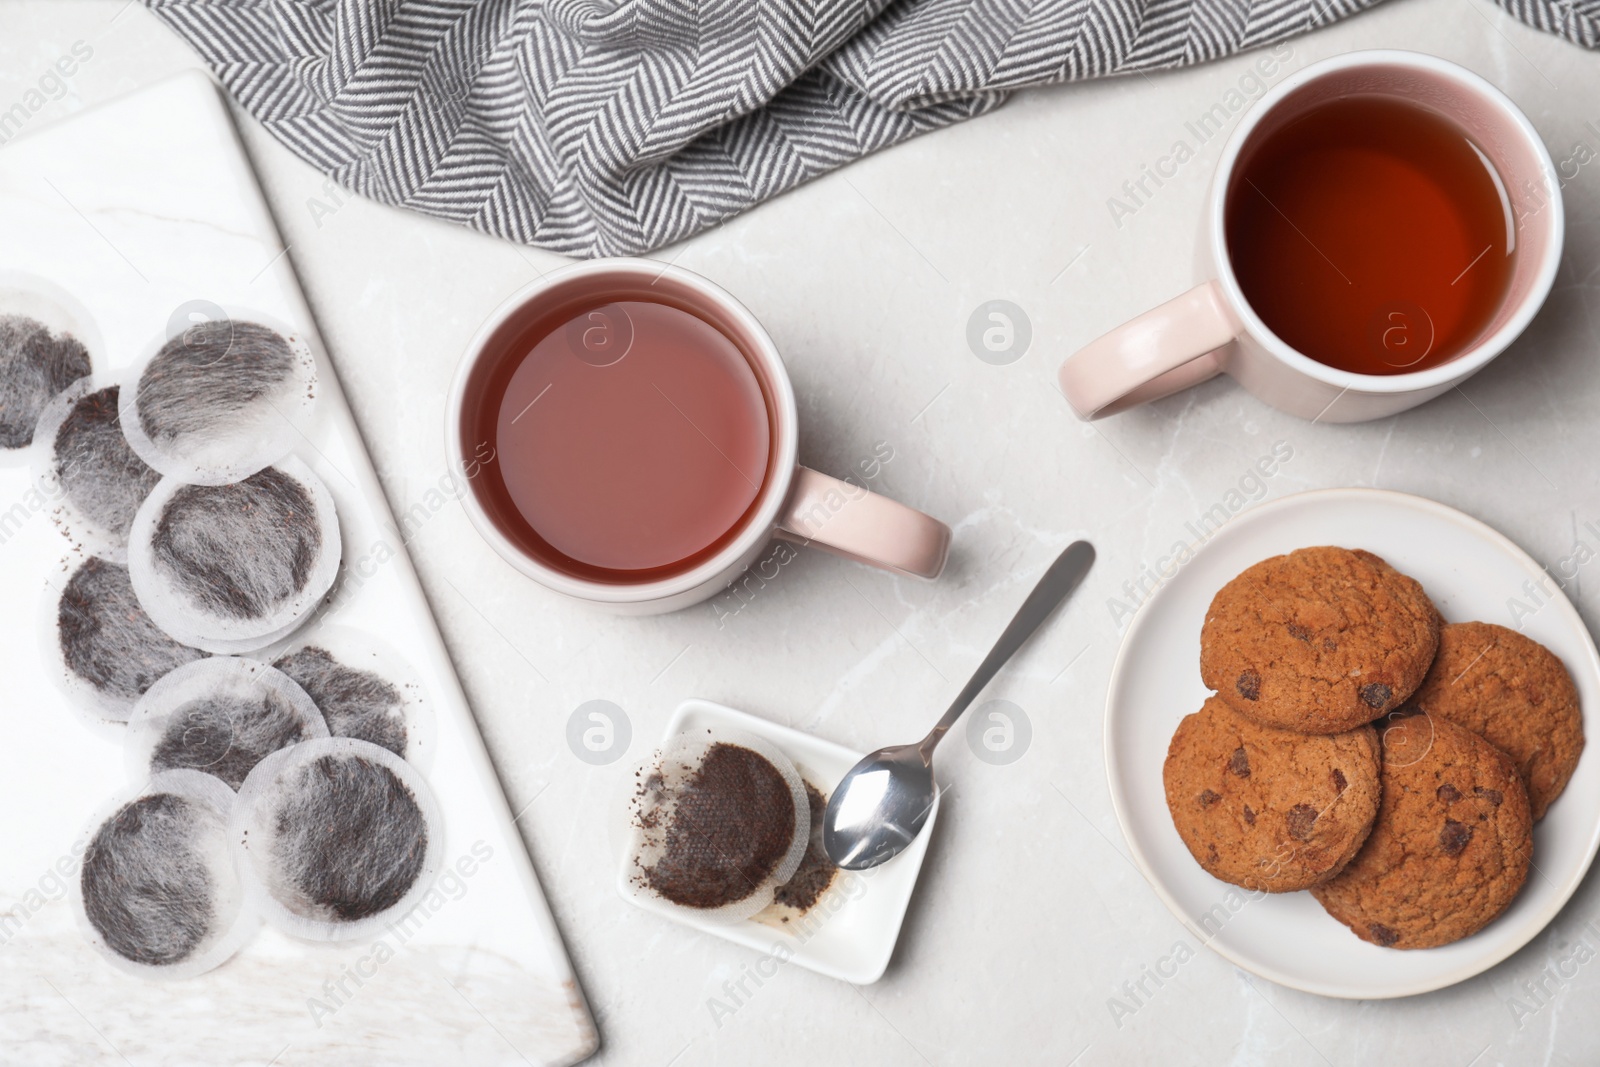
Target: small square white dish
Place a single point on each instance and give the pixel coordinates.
(850, 933)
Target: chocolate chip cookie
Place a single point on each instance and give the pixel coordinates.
(1452, 844)
(1514, 693)
(1265, 808)
(1321, 640)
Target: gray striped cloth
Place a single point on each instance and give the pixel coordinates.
(611, 127)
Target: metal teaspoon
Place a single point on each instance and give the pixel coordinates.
(883, 802)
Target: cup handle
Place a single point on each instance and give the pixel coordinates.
(1166, 349)
(850, 521)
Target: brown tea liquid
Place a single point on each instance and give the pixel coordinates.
(631, 440)
(1372, 235)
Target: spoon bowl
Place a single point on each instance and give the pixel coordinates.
(890, 793)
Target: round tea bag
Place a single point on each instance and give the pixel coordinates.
(81, 457)
(816, 873)
(233, 568)
(716, 822)
(220, 399)
(159, 894)
(98, 644)
(220, 716)
(341, 837)
(45, 345)
(364, 689)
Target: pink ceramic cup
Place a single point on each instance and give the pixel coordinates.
(794, 503)
(1212, 330)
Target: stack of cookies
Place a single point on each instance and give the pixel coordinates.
(1413, 838)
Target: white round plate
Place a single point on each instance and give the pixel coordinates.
(1471, 572)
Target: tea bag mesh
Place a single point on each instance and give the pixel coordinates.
(45, 346)
(715, 822)
(220, 716)
(81, 456)
(233, 568)
(364, 688)
(100, 646)
(159, 894)
(220, 400)
(338, 836)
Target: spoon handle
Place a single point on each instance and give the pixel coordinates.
(1055, 586)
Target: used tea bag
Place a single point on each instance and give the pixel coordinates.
(220, 400)
(80, 455)
(717, 821)
(815, 875)
(342, 837)
(159, 894)
(100, 646)
(363, 688)
(221, 716)
(44, 348)
(233, 568)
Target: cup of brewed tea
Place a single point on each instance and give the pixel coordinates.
(1380, 226)
(628, 433)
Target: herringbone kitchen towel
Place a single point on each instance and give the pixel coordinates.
(605, 127)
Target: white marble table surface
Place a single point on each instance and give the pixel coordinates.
(1029, 920)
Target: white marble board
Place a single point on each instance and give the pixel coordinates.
(136, 208)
